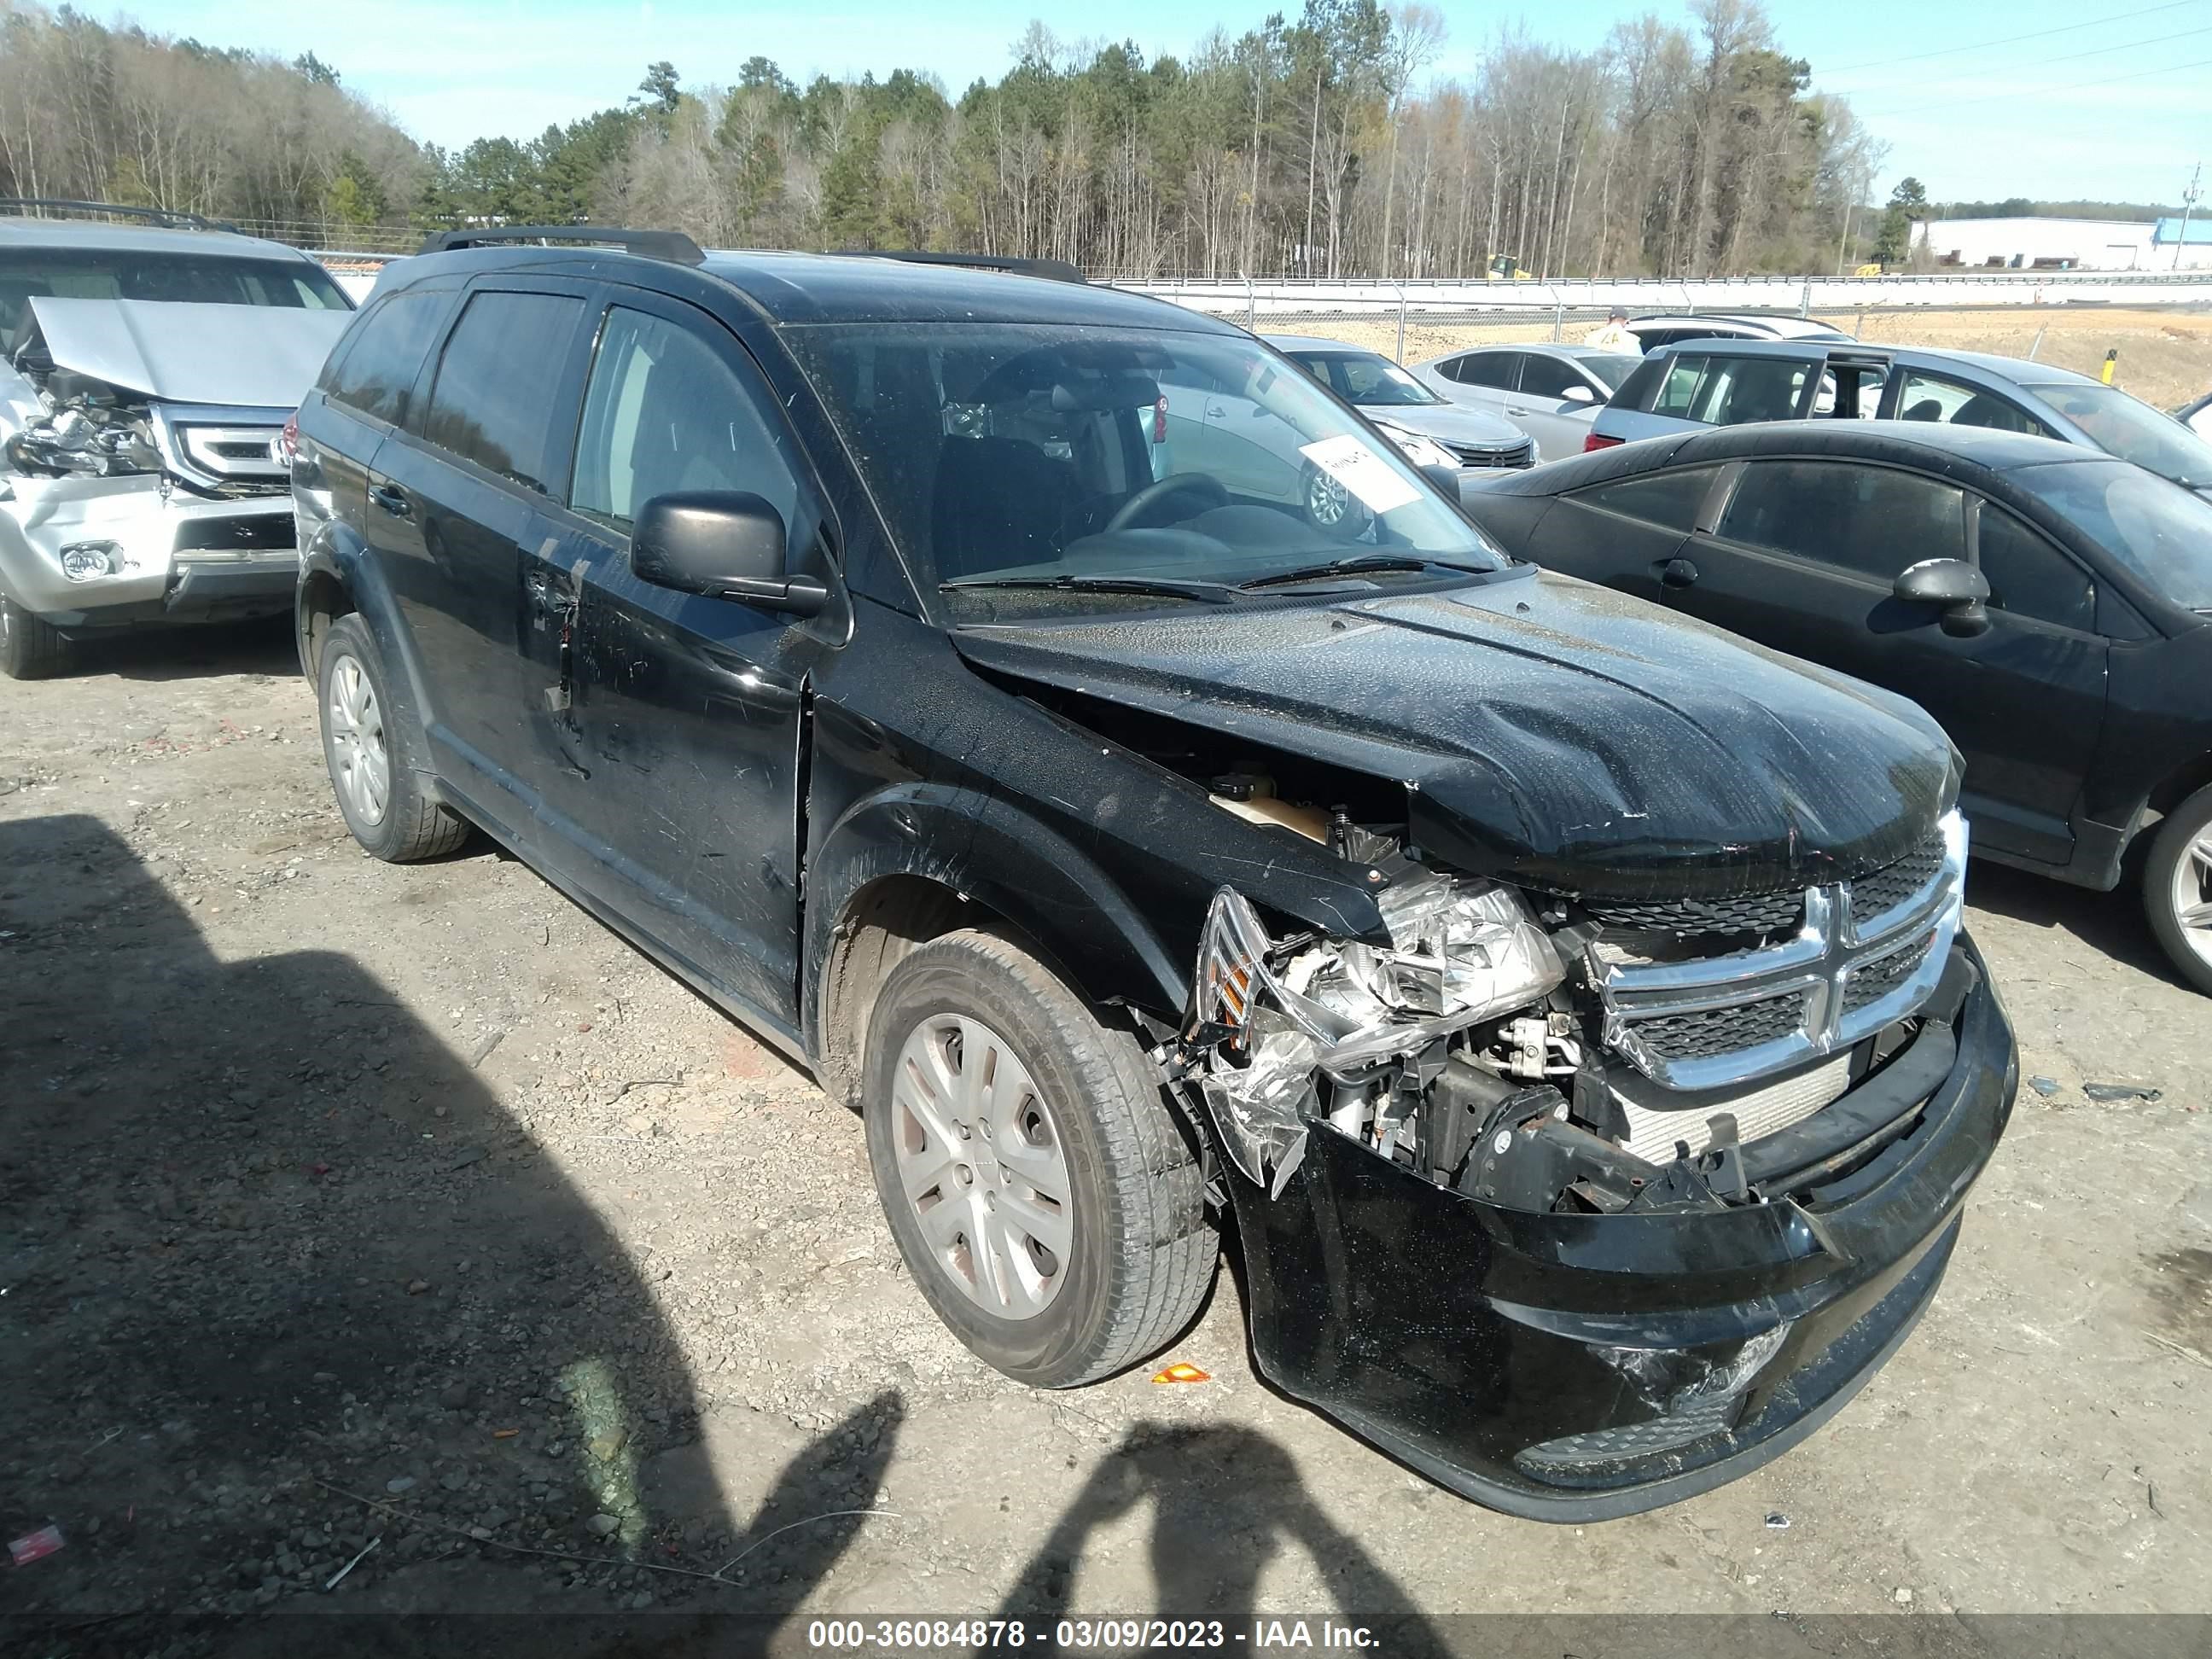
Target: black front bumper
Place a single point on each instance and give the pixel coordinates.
(1574, 1368)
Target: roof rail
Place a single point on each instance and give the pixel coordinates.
(1057, 270)
(671, 245)
(167, 217)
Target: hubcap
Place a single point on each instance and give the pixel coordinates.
(360, 765)
(980, 1161)
(2192, 894)
(1327, 501)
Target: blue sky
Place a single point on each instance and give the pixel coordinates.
(2117, 108)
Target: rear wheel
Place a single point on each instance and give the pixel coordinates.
(371, 756)
(1030, 1166)
(2178, 888)
(31, 649)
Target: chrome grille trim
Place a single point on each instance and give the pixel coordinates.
(1815, 968)
(232, 451)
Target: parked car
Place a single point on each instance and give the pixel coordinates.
(2050, 605)
(1111, 836)
(1685, 388)
(2198, 416)
(146, 372)
(1429, 428)
(1552, 393)
(1663, 329)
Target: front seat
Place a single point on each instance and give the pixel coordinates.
(998, 504)
(1926, 409)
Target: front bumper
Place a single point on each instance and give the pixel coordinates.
(177, 557)
(1575, 1368)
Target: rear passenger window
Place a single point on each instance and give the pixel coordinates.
(1500, 369)
(373, 375)
(2029, 577)
(1669, 500)
(494, 400)
(663, 413)
(1871, 520)
(1678, 392)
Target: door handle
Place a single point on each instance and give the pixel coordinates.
(1216, 410)
(1513, 410)
(390, 498)
(1677, 573)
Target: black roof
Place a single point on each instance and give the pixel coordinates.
(842, 287)
(1925, 444)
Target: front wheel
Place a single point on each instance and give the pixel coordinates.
(2178, 888)
(31, 649)
(1033, 1174)
(370, 754)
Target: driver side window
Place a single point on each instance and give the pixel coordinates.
(664, 412)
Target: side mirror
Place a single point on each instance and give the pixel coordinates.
(1960, 591)
(1579, 394)
(1446, 480)
(726, 544)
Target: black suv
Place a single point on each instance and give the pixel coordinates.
(1565, 1004)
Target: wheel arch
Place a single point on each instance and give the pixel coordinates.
(915, 861)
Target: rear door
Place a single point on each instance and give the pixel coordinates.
(456, 497)
(1920, 394)
(1625, 533)
(1487, 381)
(1804, 556)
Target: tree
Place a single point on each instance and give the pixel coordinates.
(1895, 240)
(660, 90)
(315, 70)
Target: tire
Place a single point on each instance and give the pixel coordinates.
(1139, 1256)
(31, 649)
(2178, 885)
(1330, 507)
(372, 758)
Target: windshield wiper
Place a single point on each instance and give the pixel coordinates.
(1175, 587)
(1346, 568)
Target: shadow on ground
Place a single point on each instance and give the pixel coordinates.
(279, 1277)
(2111, 924)
(263, 646)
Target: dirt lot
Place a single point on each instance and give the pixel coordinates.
(2165, 356)
(340, 1202)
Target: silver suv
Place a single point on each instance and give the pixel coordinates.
(147, 371)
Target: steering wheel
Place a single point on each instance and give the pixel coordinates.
(1176, 484)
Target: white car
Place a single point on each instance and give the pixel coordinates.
(1552, 393)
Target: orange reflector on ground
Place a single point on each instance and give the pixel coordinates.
(1180, 1372)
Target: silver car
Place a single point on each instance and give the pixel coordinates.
(1407, 410)
(1552, 393)
(146, 375)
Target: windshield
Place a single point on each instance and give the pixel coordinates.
(1364, 378)
(2159, 531)
(2131, 430)
(199, 279)
(1611, 367)
(1012, 451)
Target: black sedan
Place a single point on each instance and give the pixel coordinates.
(2050, 606)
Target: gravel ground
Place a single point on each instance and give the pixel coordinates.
(347, 1206)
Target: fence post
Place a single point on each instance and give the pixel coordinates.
(1251, 306)
(1400, 290)
(2036, 346)
(1558, 315)
(1805, 299)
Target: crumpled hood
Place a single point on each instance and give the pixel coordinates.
(1449, 422)
(247, 357)
(1548, 731)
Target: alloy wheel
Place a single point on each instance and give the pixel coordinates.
(360, 764)
(2192, 894)
(981, 1161)
(1327, 502)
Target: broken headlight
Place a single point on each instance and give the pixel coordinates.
(80, 442)
(1268, 1020)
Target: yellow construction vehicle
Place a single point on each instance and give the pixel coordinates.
(1506, 268)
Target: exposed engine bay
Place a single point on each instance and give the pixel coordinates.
(1497, 1045)
(85, 428)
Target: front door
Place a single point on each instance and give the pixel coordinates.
(1805, 556)
(673, 735)
(1625, 533)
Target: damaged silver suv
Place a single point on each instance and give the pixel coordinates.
(146, 373)
(1565, 1006)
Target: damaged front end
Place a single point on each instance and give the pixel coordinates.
(1581, 1206)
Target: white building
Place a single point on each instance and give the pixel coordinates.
(2044, 244)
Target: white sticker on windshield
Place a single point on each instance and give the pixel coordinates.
(1349, 461)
